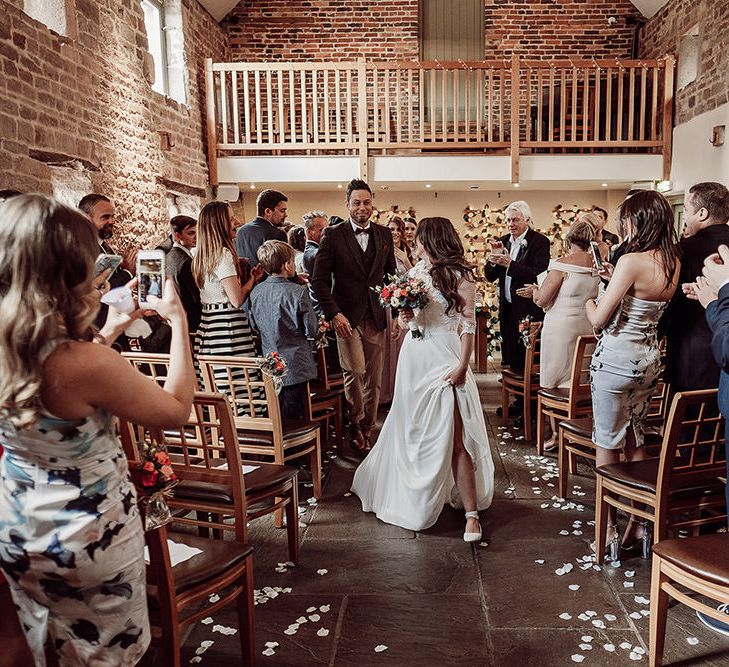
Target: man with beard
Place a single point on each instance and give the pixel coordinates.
(100, 211)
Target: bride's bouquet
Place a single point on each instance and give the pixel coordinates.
(404, 292)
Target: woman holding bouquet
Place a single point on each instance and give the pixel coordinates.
(71, 541)
(433, 447)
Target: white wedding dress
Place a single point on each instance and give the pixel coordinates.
(406, 478)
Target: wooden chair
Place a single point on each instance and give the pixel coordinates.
(570, 402)
(326, 398)
(180, 595)
(330, 378)
(213, 486)
(524, 384)
(697, 563)
(575, 437)
(257, 416)
(681, 488)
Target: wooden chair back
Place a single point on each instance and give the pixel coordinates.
(329, 378)
(533, 352)
(693, 445)
(580, 378)
(204, 452)
(252, 397)
(155, 366)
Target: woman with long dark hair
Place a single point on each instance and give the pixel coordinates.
(627, 362)
(403, 253)
(433, 447)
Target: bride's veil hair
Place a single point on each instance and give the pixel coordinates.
(440, 240)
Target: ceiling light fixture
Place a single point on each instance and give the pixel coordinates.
(604, 185)
(428, 185)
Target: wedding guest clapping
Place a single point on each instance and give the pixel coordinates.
(71, 540)
(571, 281)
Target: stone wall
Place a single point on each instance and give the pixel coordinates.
(662, 34)
(77, 112)
(300, 30)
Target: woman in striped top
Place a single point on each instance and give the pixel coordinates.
(224, 327)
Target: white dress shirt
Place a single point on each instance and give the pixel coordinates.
(513, 252)
(362, 239)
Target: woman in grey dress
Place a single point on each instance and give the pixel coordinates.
(626, 363)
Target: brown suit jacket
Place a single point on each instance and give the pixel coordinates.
(342, 282)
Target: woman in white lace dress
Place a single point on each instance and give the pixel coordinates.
(433, 447)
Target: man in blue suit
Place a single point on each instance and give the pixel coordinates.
(266, 226)
(712, 290)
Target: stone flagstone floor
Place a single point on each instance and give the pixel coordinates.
(367, 593)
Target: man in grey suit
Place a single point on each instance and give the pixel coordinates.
(178, 265)
(315, 222)
(271, 206)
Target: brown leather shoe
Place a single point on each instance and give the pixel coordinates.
(359, 442)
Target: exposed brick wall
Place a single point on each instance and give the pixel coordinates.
(88, 99)
(662, 34)
(300, 30)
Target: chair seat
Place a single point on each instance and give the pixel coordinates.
(217, 558)
(581, 427)
(291, 429)
(704, 556)
(511, 374)
(643, 475)
(323, 394)
(555, 393)
(266, 476)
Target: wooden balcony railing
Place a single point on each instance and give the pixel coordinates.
(515, 106)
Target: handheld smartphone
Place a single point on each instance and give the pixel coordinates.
(104, 262)
(596, 254)
(151, 275)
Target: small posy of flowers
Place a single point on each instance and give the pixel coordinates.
(322, 331)
(403, 292)
(157, 471)
(523, 244)
(524, 329)
(158, 481)
(273, 364)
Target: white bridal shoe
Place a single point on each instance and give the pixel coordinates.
(472, 537)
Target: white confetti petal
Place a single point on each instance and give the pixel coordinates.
(577, 657)
(635, 614)
(195, 659)
(301, 619)
(214, 598)
(645, 612)
(268, 651)
(349, 493)
(310, 609)
(539, 561)
(322, 632)
(611, 617)
(635, 656)
(629, 573)
(380, 648)
(322, 571)
(291, 631)
(584, 617)
(574, 587)
(271, 644)
(315, 618)
(598, 623)
(692, 640)
(609, 647)
(587, 638)
(628, 584)
(641, 600)
(564, 532)
(565, 616)
(626, 645)
(207, 621)
(324, 608)
(223, 630)
(639, 649)
(586, 647)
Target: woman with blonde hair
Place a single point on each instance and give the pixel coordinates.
(71, 541)
(224, 327)
(571, 280)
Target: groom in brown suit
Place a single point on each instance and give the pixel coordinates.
(354, 256)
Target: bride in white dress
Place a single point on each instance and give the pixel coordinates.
(433, 447)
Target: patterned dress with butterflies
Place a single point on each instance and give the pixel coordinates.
(71, 541)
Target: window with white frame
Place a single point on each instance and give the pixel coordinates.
(163, 23)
